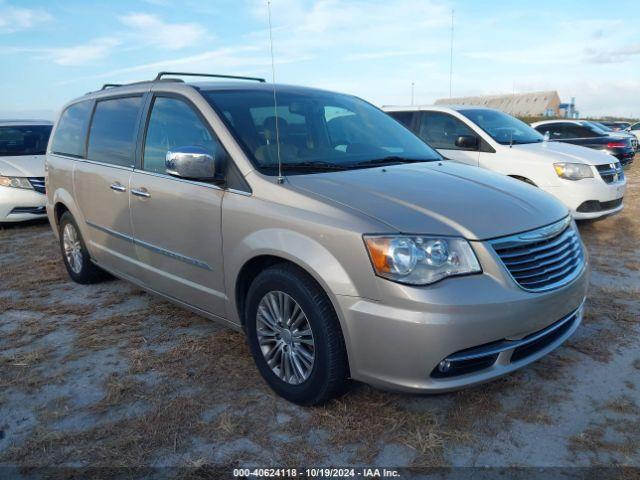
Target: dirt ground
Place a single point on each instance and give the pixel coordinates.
(107, 375)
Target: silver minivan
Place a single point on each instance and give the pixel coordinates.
(340, 243)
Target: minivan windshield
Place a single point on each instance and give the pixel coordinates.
(317, 131)
(21, 140)
(503, 128)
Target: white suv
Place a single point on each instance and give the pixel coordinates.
(589, 182)
(23, 144)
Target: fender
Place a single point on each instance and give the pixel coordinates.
(299, 249)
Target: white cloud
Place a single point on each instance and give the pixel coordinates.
(612, 55)
(82, 54)
(240, 60)
(363, 29)
(13, 19)
(151, 30)
(143, 31)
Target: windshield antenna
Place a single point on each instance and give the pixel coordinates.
(275, 98)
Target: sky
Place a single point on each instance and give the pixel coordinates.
(53, 51)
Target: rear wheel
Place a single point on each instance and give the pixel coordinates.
(295, 337)
(75, 254)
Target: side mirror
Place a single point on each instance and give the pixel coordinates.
(194, 163)
(467, 141)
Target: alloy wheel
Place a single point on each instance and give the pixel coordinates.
(72, 248)
(285, 337)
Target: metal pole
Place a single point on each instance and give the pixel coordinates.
(451, 59)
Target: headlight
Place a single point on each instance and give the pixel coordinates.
(15, 182)
(420, 260)
(573, 171)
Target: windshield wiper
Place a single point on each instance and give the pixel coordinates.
(390, 160)
(318, 166)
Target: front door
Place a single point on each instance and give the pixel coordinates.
(101, 182)
(440, 130)
(176, 222)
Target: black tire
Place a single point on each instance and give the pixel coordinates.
(329, 374)
(88, 272)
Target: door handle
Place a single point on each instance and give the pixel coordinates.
(118, 187)
(141, 192)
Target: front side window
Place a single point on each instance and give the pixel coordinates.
(440, 130)
(21, 140)
(173, 123)
(503, 128)
(113, 129)
(316, 131)
(70, 135)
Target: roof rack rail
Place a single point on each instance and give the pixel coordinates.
(110, 85)
(213, 75)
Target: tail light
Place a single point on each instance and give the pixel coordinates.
(617, 144)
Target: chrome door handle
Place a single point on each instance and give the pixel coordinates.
(118, 187)
(142, 192)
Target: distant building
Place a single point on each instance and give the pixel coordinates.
(534, 104)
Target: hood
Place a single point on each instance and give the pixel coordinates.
(563, 152)
(440, 198)
(22, 166)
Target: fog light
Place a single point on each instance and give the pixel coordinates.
(444, 366)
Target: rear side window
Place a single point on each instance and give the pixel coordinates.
(113, 130)
(555, 131)
(71, 131)
(405, 118)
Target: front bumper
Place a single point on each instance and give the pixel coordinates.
(399, 344)
(574, 194)
(17, 204)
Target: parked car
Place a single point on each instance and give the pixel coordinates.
(616, 126)
(590, 183)
(341, 244)
(23, 144)
(621, 133)
(579, 132)
(635, 130)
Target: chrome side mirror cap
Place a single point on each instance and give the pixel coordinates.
(194, 163)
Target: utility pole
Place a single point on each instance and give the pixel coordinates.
(413, 84)
(451, 59)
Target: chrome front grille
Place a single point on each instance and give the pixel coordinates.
(542, 259)
(37, 183)
(611, 172)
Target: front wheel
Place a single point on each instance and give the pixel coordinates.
(295, 336)
(75, 254)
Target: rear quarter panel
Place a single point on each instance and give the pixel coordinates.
(59, 182)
